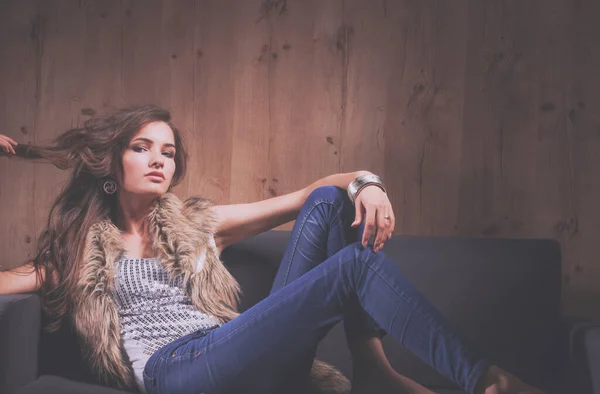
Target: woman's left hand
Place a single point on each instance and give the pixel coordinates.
(378, 215)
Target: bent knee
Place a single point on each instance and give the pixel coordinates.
(327, 193)
(358, 252)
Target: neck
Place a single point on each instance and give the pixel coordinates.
(133, 213)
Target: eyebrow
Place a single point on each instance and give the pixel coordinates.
(151, 142)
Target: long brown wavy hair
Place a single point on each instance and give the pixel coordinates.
(94, 154)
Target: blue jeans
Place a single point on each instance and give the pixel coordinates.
(326, 276)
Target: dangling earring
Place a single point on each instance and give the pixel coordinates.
(110, 187)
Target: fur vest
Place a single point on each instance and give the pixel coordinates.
(179, 232)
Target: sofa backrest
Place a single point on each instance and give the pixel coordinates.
(502, 295)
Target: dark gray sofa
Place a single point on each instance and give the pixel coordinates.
(502, 294)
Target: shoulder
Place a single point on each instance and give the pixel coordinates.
(196, 203)
(200, 211)
(193, 207)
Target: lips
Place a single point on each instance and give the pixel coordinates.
(155, 174)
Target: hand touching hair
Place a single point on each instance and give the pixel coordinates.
(7, 145)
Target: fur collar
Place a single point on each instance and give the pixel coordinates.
(180, 233)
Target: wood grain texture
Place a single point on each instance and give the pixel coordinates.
(62, 83)
(424, 119)
(369, 31)
(20, 29)
(583, 135)
(555, 210)
(482, 116)
(145, 59)
(499, 120)
(102, 58)
(304, 113)
(210, 141)
(251, 126)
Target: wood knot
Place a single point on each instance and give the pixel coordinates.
(88, 111)
(548, 107)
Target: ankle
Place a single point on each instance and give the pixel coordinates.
(498, 381)
(488, 380)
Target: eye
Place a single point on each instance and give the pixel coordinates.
(137, 148)
(169, 154)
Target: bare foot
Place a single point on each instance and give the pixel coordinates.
(498, 381)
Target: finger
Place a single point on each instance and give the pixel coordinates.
(357, 213)
(369, 225)
(385, 238)
(381, 229)
(389, 230)
(12, 141)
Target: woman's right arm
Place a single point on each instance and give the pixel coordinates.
(22, 279)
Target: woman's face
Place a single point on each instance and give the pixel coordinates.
(151, 150)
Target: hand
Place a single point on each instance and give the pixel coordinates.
(376, 206)
(7, 143)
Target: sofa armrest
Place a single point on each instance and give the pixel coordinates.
(583, 368)
(20, 319)
(591, 342)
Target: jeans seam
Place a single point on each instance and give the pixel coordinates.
(471, 385)
(403, 328)
(407, 300)
(299, 233)
(154, 367)
(342, 232)
(210, 373)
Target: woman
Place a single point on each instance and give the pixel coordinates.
(138, 273)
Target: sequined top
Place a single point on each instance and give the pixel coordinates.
(154, 309)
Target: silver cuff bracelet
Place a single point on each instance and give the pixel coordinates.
(360, 182)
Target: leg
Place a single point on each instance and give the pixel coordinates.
(251, 352)
(322, 229)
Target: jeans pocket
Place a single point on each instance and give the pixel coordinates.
(203, 332)
(188, 349)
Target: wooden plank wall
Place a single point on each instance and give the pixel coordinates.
(482, 116)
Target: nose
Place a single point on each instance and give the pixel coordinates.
(157, 159)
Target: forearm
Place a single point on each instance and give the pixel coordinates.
(237, 221)
(22, 279)
(341, 180)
